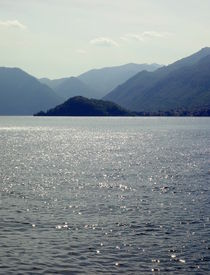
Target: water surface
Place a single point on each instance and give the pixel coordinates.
(104, 195)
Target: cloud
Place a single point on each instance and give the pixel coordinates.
(81, 51)
(155, 34)
(144, 36)
(132, 36)
(104, 42)
(12, 24)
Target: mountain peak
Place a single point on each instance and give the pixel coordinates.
(203, 52)
(23, 94)
(106, 79)
(205, 49)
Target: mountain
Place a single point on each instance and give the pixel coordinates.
(81, 106)
(22, 94)
(183, 84)
(52, 83)
(69, 87)
(106, 79)
(96, 83)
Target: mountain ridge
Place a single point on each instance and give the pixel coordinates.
(138, 93)
(97, 82)
(23, 94)
(103, 80)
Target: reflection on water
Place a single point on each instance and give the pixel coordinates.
(104, 195)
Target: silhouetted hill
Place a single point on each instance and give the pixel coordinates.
(23, 94)
(81, 106)
(106, 79)
(183, 84)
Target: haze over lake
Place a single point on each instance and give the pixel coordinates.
(104, 195)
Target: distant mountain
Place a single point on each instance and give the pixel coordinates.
(189, 60)
(52, 83)
(183, 84)
(81, 106)
(69, 87)
(22, 94)
(106, 79)
(96, 83)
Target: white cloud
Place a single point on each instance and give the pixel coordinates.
(144, 36)
(12, 24)
(132, 36)
(104, 42)
(154, 34)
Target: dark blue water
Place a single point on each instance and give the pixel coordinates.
(104, 195)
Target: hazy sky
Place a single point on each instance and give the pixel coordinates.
(56, 38)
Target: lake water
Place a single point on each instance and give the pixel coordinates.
(104, 195)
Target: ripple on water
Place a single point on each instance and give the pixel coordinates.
(127, 196)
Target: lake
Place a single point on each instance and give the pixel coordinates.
(104, 195)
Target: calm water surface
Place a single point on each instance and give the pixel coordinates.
(104, 195)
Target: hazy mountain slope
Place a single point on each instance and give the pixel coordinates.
(81, 106)
(22, 94)
(71, 87)
(105, 79)
(52, 83)
(187, 88)
(189, 60)
(181, 84)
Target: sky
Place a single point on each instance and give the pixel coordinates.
(59, 38)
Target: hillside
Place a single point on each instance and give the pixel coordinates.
(81, 106)
(52, 83)
(183, 84)
(71, 87)
(106, 79)
(22, 94)
(96, 83)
